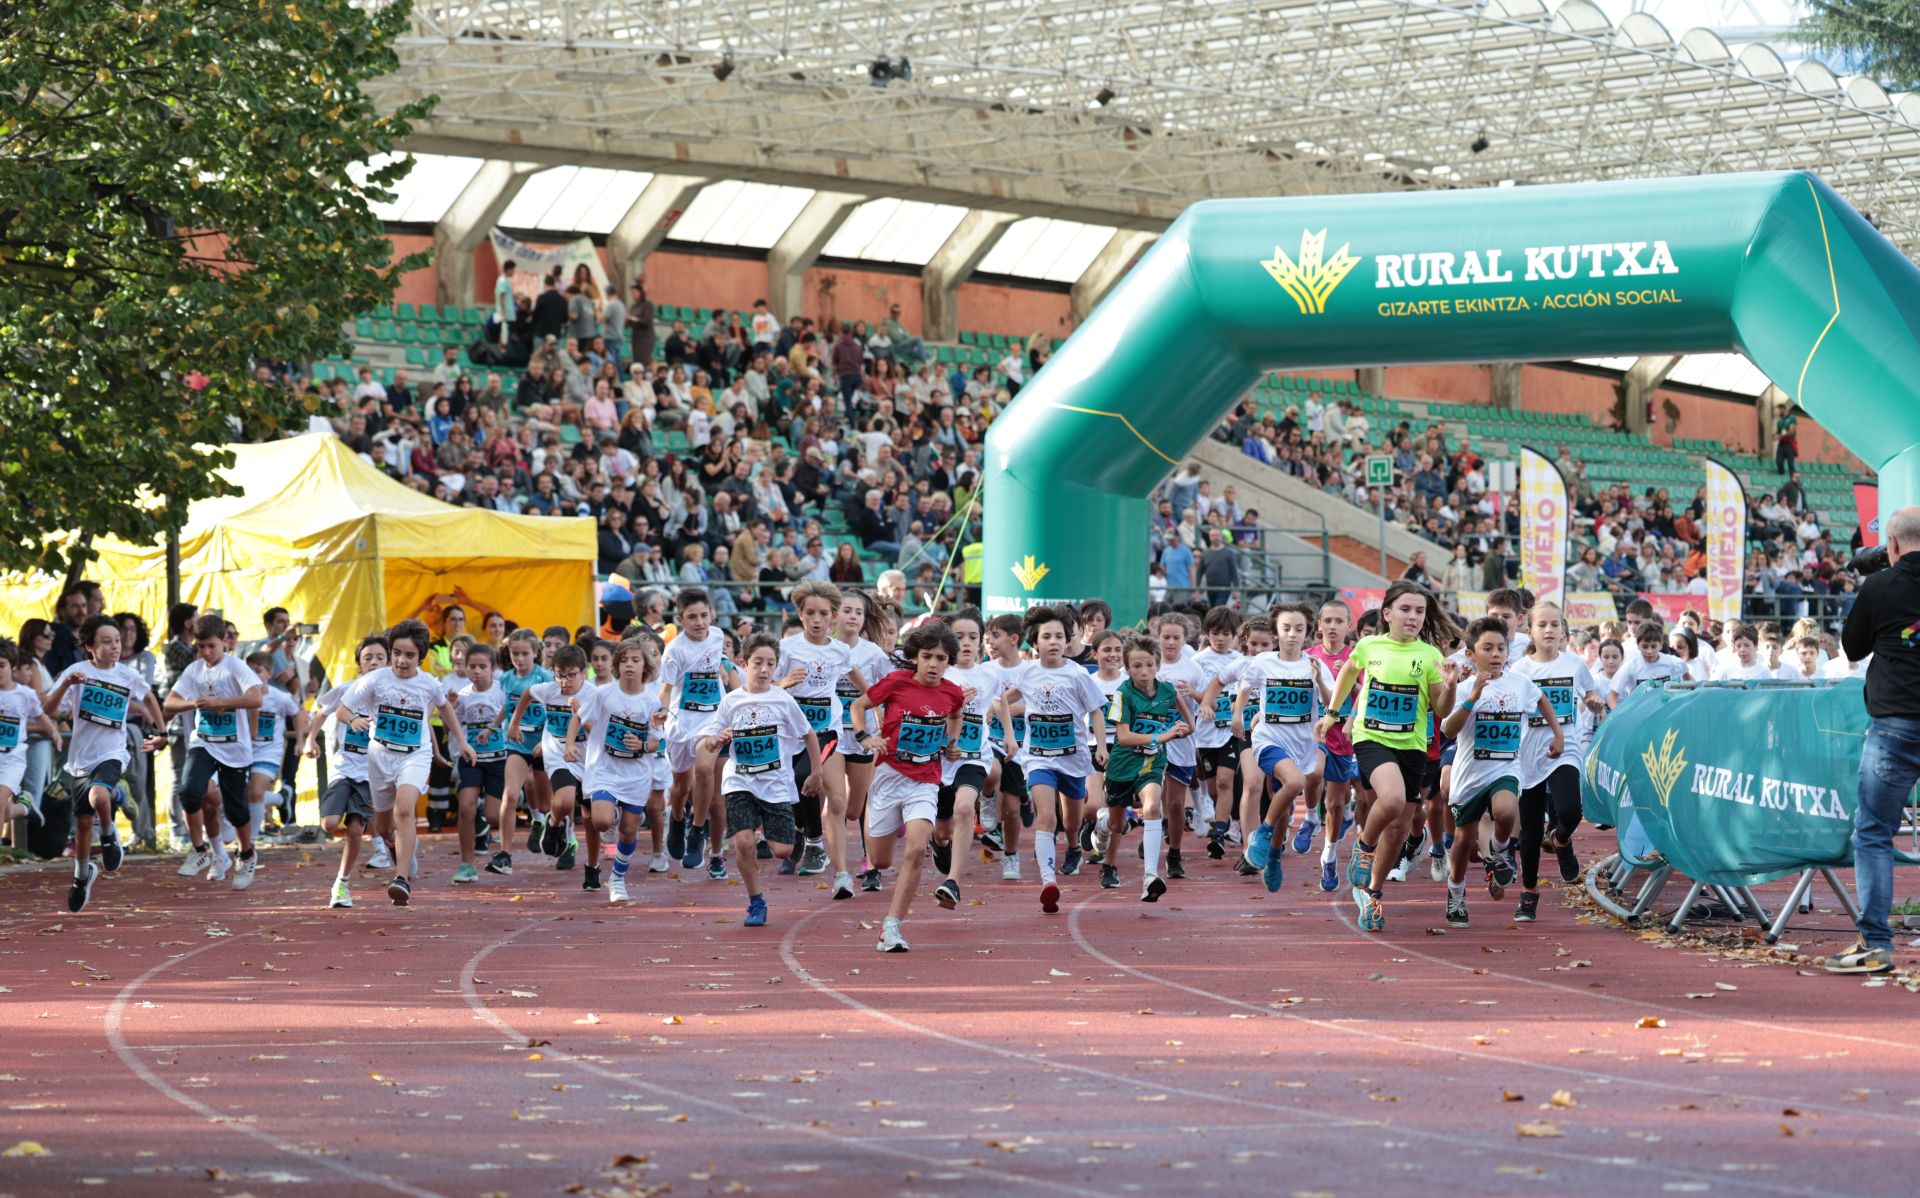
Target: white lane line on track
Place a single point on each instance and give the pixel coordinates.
(116, 1039)
(1297, 1116)
(757, 1119)
(1691, 1091)
(1782, 1029)
(367, 1043)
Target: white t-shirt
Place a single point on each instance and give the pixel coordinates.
(693, 669)
(1566, 682)
(349, 758)
(400, 708)
(768, 729)
(98, 703)
(1215, 726)
(997, 735)
(223, 734)
(19, 705)
(987, 681)
(826, 666)
(270, 722)
(612, 764)
(1489, 744)
(1637, 669)
(1283, 702)
(1058, 700)
(1735, 672)
(874, 664)
(1109, 687)
(1181, 751)
(559, 707)
(482, 715)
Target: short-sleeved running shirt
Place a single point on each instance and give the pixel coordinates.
(1392, 708)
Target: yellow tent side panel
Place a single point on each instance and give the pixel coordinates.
(532, 592)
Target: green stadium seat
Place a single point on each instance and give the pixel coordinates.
(570, 434)
(429, 312)
(418, 357)
(404, 312)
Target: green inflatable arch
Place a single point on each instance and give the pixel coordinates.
(1776, 266)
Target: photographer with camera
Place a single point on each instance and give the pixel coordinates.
(1884, 622)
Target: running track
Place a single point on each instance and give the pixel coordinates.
(518, 1038)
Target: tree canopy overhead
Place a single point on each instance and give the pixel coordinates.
(175, 205)
(1881, 36)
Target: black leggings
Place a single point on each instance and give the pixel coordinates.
(1555, 802)
(806, 813)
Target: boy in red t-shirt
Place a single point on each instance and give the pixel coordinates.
(921, 724)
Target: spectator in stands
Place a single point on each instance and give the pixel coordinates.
(891, 585)
(1585, 574)
(846, 565)
(1177, 560)
(549, 313)
(1416, 570)
(506, 307)
(640, 322)
(615, 545)
(1359, 429)
(1786, 433)
(906, 347)
(874, 526)
(849, 366)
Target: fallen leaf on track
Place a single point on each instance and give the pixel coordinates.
(1539, 1129)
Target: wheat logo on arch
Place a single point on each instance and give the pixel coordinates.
(1664, 767)
(1311, 279)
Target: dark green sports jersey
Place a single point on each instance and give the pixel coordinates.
(1139, 712)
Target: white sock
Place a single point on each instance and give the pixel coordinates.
(1328, 850)
(258, 812)
(1154, 831)
(1043, 855)
(1500, 846)
(1457, 889)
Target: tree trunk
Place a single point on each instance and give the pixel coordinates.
(77, 560)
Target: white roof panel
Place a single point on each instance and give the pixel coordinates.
(890, 230)
(423, 194)
(1039, 248)
(731, 212)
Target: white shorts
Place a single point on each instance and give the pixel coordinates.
(662, 774)
(269, 766)
(683, 752)
(388, 771)
(13, 768)
(894, 800)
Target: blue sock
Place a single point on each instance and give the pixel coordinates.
(623, 851)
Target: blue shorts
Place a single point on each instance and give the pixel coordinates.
(1069, 786)
(1446, 752)
(1183, 774)
(267, 769)
(625, 802)
(1273, 755)
(1341, 767)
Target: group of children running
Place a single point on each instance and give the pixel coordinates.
(1052, 728)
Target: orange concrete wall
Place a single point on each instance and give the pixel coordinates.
(1015, 311)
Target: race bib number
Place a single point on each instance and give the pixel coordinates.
(1390, 707)
(818, 709)
(103, 703)
(217, 727)
(266, 725)
(9, 733)
(1050, 735)
(1287, 701)
(614, 739)
(355, 742)
(1223, 711)
(486, 741)
(397, 728)
(1559, 693)
(919, 739)
(700, 691)
(973, 735)
(1496, 735)
(1146, 725)
(533, 719)
(846, 707)
(756, 750)
(558, 717)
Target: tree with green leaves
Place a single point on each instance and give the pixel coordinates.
(175, 209)
(1881, 38)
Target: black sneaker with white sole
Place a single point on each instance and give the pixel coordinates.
(1569, 861)
(1070, 864)
(82, 888)
(590, 879)
(565, 859)
(1109, 877)
(111, 854)
(870, 881)
(1175, 870)
(502, 864)
(1456, 910)
(1528, 910)
(942, 855)
(400, 891)
(948, 895)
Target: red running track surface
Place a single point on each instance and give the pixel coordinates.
(521, 1037)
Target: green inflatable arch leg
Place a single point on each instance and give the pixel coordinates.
(1776, 266)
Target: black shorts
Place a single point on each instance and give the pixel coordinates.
(1220, 757)
(347, 798)
(561, 778)
(745, 813)
(973, 775)
(490, 777)
(1127, 794)
(803, 764)
(199, 769)
(107, 773)
(1412, 764)
(1013, 779)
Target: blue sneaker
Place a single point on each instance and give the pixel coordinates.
(1360, 868)
(1303, 839)
(756, 912)
(1259, 846)
(1271, 874)
(1346, 826)
(1329, 876)
(1372, 917)
(696, 854)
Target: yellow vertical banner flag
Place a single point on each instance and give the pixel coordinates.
(1726, 541)
(1544, 519)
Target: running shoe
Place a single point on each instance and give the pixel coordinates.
(1270, 875)
(243, 870)
(465, 875)
(82, 888)
(1109, 877)
(1399, 871)
(1050, 898)
(1303, 839)
(1437, 864)
(870, 880)
(566, 858)
(948, 894)
(1070, 864)
(659, 864)
(676, 837)
(1217, 844)
(716, 869)
(32, 805)
(222, 864)
(1026, 811)
(790, 864)
(342, 898)
(696, 851)
(111, 854)
(196, 863)
(537, 835)
(1153, 889)
(1360, 867)
(843, 885)
(1373, 917)
(1569, 861)
(1329, 876)
(617, 891)
(557, 838)
(1856, 959)
(942, 855)
(590, 878)
(813, 858)
(1528, 910)
(1189, 819)
(994, 839)
(1259, 846)
(1245, 868)
(1010, 869)
(501, 864)
(482, 834)
(1456, 910)
(400, 891)
(1415, 843)
(1175, 869)
(381, 858)
(890, 940)
(1500, 871)
(756, 912)
(1346, 826)
(1086, 835)
(763, 851)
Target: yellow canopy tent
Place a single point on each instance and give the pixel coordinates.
(319, 531)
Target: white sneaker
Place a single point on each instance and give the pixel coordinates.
(1233, 832)
(222, 864)
(196, 863)
(243, 871)
(342, 898)
(1437, 866)
(1399, 872)
(617, 891)
(1102, 839)
(843, 885)
(890, 941)
(660, 864)
(1204, 808)
(1010, 869)
(382, 856)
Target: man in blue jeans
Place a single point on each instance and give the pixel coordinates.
(1885, 621)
